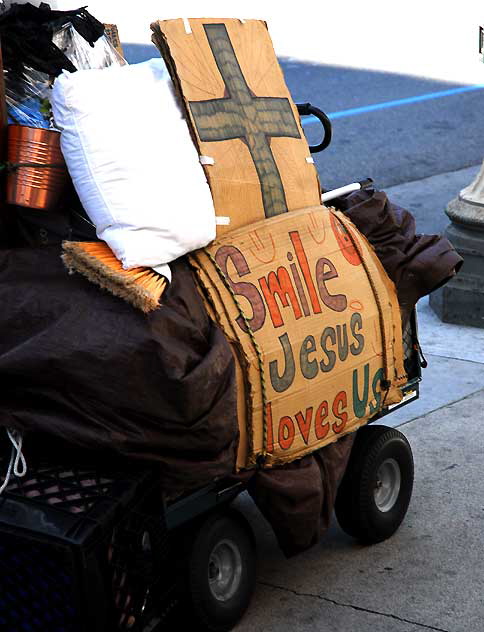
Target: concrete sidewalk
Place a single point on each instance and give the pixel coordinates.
(455, 354)
(429, 575)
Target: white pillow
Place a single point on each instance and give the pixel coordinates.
(132, 161)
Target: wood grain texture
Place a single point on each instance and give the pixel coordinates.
(241, 114)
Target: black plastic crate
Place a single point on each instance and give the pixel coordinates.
(81, 549)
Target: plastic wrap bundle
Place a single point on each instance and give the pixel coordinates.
(37, 44)
(28, 93)
(83, 56)
(27, 96)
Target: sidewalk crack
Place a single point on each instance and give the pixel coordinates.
(341, 604)
(435, 410)
(439, 355)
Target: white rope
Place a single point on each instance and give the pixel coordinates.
(17, 441)
(16, 458)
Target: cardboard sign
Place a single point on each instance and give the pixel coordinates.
(315, 325)
(242, 117)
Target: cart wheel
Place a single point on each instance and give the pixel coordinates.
(221, 572)
(375, 492)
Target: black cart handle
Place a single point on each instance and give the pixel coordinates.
(305, 109)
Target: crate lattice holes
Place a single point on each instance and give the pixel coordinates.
(81, 549)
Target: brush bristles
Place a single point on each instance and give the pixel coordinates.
(142, 287)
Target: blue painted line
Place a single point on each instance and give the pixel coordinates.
(310, 120)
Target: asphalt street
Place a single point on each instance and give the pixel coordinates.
(396, 143)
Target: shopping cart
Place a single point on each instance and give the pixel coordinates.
(93, 545)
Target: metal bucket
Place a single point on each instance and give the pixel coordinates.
(37, 186)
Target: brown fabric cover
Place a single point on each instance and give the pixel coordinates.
(297, 498)
(417, 264)
(84, 366)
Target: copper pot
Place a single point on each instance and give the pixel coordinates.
(36, 186)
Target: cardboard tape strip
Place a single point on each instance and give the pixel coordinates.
(222, 220)
(206, 160)
(186, 24)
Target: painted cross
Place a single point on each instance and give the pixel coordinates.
(240, 114)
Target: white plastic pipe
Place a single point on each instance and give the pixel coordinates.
(349, 188)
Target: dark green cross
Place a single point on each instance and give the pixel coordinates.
(240, 114)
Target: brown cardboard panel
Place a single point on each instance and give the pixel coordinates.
(241, 115)
(317, 324)
(242, 412)
(244, 407)
(249, 388)
(111, 32)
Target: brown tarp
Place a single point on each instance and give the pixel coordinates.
(82, 365)
(417, 264)
(79, 364)
(297, 498)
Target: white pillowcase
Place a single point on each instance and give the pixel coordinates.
(133, 163)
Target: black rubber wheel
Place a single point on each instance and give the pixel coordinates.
(375, 492)
(221, 572)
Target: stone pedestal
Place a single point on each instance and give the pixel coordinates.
(461, 301)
